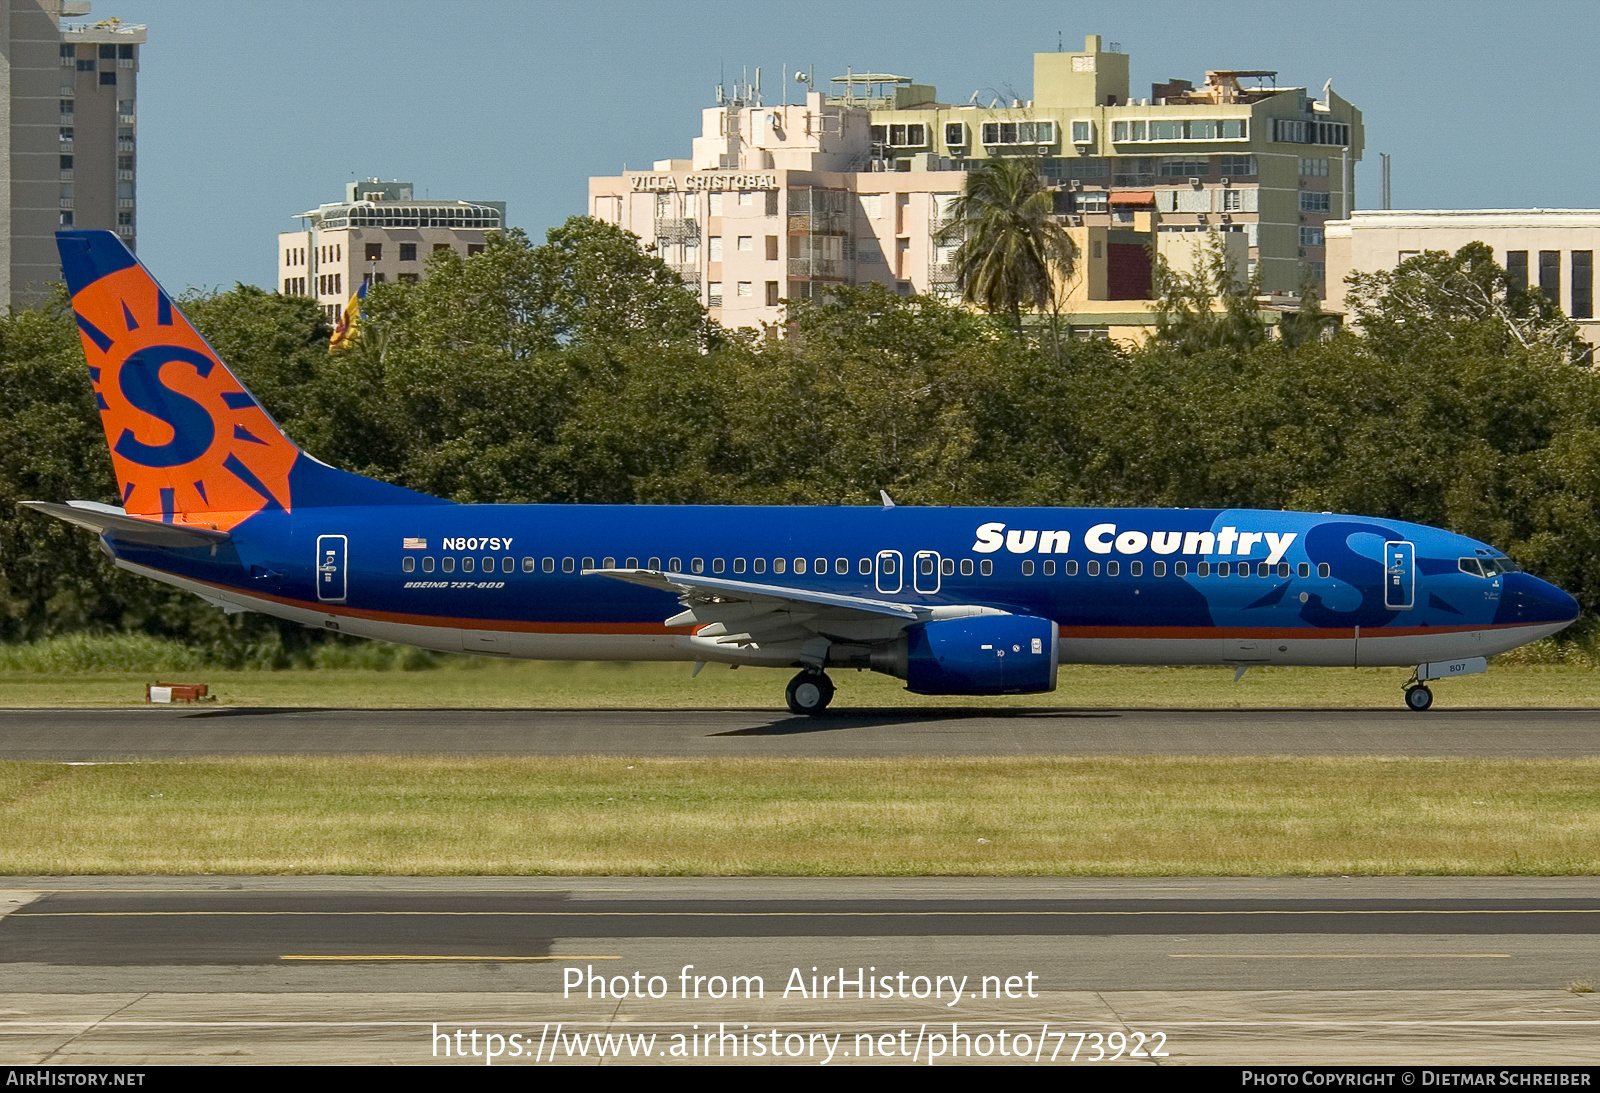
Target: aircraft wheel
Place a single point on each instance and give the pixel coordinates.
(1418, 698)
(809, 693)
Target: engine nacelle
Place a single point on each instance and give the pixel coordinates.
(980, 655)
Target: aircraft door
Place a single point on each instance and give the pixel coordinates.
(925, 572)
(332, 552)
(1399, 575)
(889, 576)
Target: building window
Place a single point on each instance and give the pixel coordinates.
(772, 248)
(1185, 166)
(872, 206)
(772, 293)
(374, 252)
(86, 65)
(108, 79)
(1583, 284)
(1550, 275)
(474, 248)
(408, 252)
(1313, 168)
(66, 163)
(1313, 202)
(714, 294)
(747, 197)
(1237, 166)
(744, 288)
(714, 203)
(108, 53)
(714, 248)
(125, 53)
(405, 278)
(772, 202)
(68, 51)
(1311, 237)
(747, 243)
(1018, 132)
(439, 248)
(1517, 270)
(1233, 201)
(66, 136)
(66, 218)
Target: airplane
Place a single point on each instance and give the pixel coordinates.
(979, 601)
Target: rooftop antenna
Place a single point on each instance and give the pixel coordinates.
(1059, 47)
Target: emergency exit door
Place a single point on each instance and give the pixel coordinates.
(1399, 575)
(332, 555)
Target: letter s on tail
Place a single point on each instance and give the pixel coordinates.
(189, 444)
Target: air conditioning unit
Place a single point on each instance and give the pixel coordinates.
(1075, 220)
(1194, 182)
(1227, 182)
(1226, 219)
(1077, 184)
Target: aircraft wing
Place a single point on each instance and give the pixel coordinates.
(107, 518)
(750, 612)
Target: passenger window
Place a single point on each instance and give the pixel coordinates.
(864, 567)
(966, 567)
(1072, 569)
(841, 566)
(448, 564)
(1113, 568)
(408, 564)
(800, 566)
(1305, 569)
(820, 566)
(697, 565)
(986, 567)
(1136, 569)
(718, 565)
(738, 565)
(1027, 567)
(567, 565)
(631, 563)
(507, 565)
(1263, 569)
(1180, 569)
(759, 565)
(427, 565)
(1283, 569)
(529, 565)
(610, 563)
(548, 565)
(1093, 569)
(926, 565)
(1050, 567)
(1324, 569)
(1158, 569)
(655, 563)
(1202, 569)
(675, 565)
(488, 565)
(1224, 569)
(778, 565)
(468, 564)
(588, 563)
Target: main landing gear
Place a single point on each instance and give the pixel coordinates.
(809, 693)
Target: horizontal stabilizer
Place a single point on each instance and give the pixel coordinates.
(107, 518)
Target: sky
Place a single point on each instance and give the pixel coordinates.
(251, 111)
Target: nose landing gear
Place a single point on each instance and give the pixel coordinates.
(809, 693)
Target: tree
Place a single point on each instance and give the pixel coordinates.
(1186, 313)
(1013, 254)
(1464, 299)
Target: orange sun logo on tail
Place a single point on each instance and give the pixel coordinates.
(189, 444)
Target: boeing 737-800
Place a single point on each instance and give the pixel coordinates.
(955, 601)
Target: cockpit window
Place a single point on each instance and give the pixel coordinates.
(1488, 567)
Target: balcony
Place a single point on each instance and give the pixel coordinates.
(66, 174)
(66, 144)
(124, 202)
(66, 117)
(125, 119)
(941, 273)
(689, 271)
(677, 230)
(66, 202)
(126, 62)
(122, 176)
(819, 269)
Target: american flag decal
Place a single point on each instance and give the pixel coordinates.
(408, 543)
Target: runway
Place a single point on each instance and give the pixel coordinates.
(84, 735)
(1224, 970)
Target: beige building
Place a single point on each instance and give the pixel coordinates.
(380, 232)
(69, 135)
(854, 186)
(1550, 249)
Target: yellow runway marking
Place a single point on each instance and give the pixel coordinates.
(577, 913)
(1339, 956)
(381, 956)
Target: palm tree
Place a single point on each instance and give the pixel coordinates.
(1013, 253)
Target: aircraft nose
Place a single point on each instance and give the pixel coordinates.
(1524, 598)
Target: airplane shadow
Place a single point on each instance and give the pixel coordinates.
(800, 725)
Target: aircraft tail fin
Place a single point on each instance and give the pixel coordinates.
(190, 445)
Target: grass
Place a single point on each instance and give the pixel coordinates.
(464, 681)
(1004, 816)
